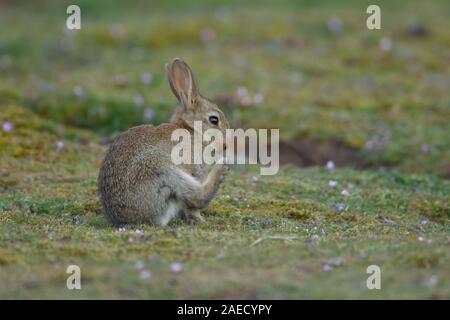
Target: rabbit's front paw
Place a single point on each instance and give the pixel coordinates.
(219, 170)
(223, 173)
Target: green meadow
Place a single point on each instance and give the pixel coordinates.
(374, 102)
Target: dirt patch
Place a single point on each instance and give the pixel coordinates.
(309, 152)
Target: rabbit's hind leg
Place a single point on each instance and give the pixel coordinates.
(193, 216)
(196, 215)
(173, 209)
(159, 203)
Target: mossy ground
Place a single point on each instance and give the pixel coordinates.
(83, 88)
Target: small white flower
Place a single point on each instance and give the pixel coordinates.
(78, 91)
(421, 238)
(246, 101)
(149, 114)
(371, 144)
(207, 35)
(386, 44)
(425, 148)
(145, 274)
(330, 165)
(121, 229)
(146, 78)
(138, 231)
(339, 207)
(242, 91)
(431, 281)
(139, 101)
(130, 239)
(176, 267)
(332, 183)
(254, 179)
(139, 265)
(327, 268)
(59, 145)
(334, 24)
(424, 222)
(7, 126)
(345, 193)
(258, 98)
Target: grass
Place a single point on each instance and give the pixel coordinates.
(284, 236)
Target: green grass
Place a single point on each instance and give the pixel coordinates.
(315, 84)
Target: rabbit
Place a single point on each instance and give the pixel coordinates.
(138, 182)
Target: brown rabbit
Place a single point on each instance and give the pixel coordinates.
(138, 182)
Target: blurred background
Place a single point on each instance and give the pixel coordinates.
(337, 91)
(364, 128)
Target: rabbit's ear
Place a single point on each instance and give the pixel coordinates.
(182, 82)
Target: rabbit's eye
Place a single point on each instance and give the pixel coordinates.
(214, 120)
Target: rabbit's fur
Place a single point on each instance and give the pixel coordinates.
(138, 182)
